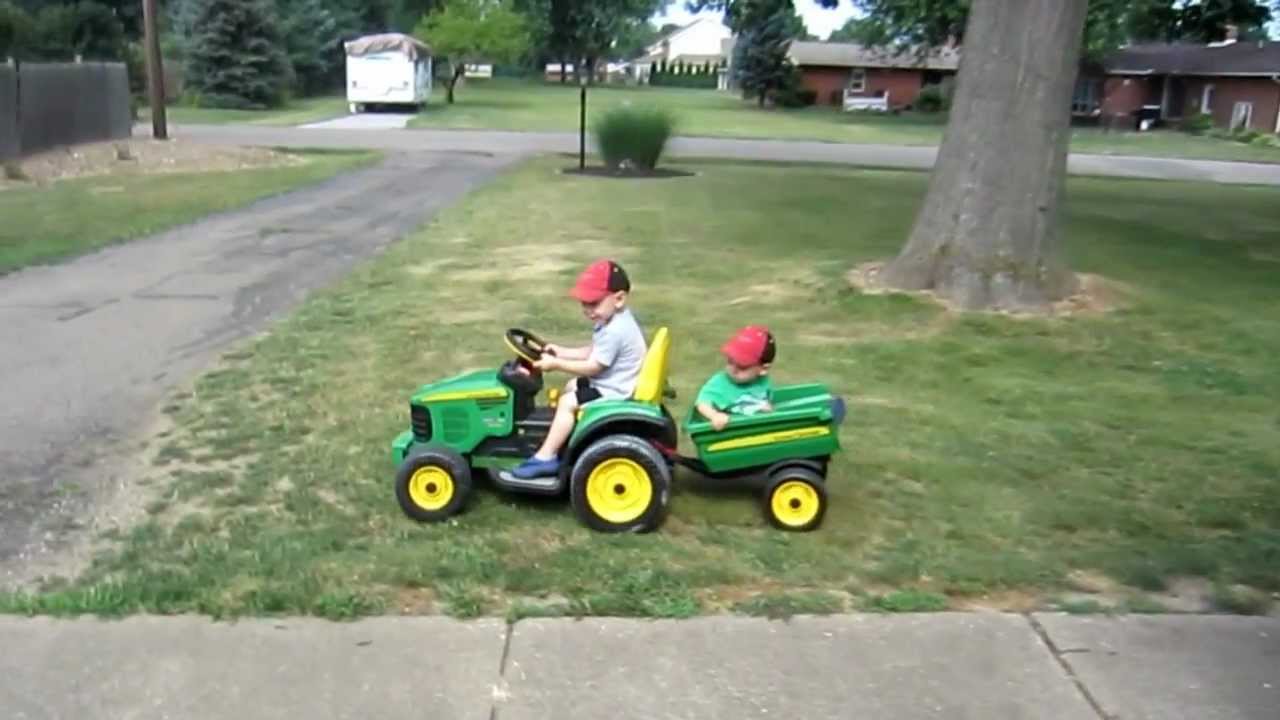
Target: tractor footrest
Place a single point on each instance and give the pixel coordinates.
(549, 485)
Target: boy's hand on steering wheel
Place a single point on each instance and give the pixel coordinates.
(552, 349)
(547, 363)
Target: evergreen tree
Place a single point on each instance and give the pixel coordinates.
(236, 58)
(313, 42)
(761, 52)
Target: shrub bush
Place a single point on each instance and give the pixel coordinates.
(1247, 136)
(795, 97)
(635, 136)
(1198, 124)
(705, 76)
(931, 100)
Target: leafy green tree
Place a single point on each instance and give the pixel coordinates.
(634, 37)
(60, 32)
(1109, 23)
(16, 28)
(469, 31)
(236, 57)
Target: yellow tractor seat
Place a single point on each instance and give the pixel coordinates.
(653, 371)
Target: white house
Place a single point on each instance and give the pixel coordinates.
(694, 44)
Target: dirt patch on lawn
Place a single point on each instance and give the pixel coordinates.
(1094, 294)
(137, 157)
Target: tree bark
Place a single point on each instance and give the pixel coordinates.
(987, 234)
(453, 81)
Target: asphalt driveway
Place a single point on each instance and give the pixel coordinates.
(89, 348)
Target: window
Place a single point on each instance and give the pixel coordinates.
(1206, 100)
(1084, 101)
(858, 80)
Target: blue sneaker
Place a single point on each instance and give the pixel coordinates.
(535, 468)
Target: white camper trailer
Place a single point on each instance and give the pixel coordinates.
(387, 69)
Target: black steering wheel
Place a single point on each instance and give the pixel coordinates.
(526, 345)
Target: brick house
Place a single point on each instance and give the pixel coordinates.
(834, 70)
(1237, 83)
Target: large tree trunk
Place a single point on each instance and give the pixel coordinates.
(458, 72)
(987, 235)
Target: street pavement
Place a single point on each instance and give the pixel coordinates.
(952, 666)
(529, 143)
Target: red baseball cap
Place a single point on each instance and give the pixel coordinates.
(752, 345)
(601, 278)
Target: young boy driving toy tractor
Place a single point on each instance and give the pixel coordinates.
(609, 441)
(607, 369)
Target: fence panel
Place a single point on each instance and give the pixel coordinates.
(69, 103)
(9, 138)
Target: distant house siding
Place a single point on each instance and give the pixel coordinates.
(824, 81)
(902, 86)
(1125, 95)
(1262, 92)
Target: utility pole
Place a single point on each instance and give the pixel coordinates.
(155, 71)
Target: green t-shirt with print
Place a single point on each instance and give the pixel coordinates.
(725, 395)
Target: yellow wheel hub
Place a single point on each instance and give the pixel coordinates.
(619, 490)
(795, 503)
(431, 488)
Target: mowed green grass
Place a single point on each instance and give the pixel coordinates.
(72, 217)
(987, 460)
(515, 105)
(297, 112)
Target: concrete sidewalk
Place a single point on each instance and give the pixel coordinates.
(525, 143)
(984, 666)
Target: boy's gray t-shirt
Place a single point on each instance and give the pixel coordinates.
(619, 346)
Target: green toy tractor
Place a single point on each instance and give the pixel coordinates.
(618, 464)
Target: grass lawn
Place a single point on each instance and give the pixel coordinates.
(71, 217)
(988, 461)
(513, 105)
(297, 112)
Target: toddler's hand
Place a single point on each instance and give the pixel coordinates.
(719, 421)
(547, 363)
(552, 349)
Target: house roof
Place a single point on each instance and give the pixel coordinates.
(836, 54)
(1238, 58)
(655, 47)
(387, 42)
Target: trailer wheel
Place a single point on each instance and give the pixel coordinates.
(795, 499)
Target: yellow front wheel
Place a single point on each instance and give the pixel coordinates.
(795, 499)
(433, 483)
(620, 483)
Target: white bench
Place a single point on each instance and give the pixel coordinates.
(854, 102)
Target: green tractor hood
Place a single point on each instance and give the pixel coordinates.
(476, 385)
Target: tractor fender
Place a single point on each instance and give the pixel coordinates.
(661, 428)
(817, 465)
